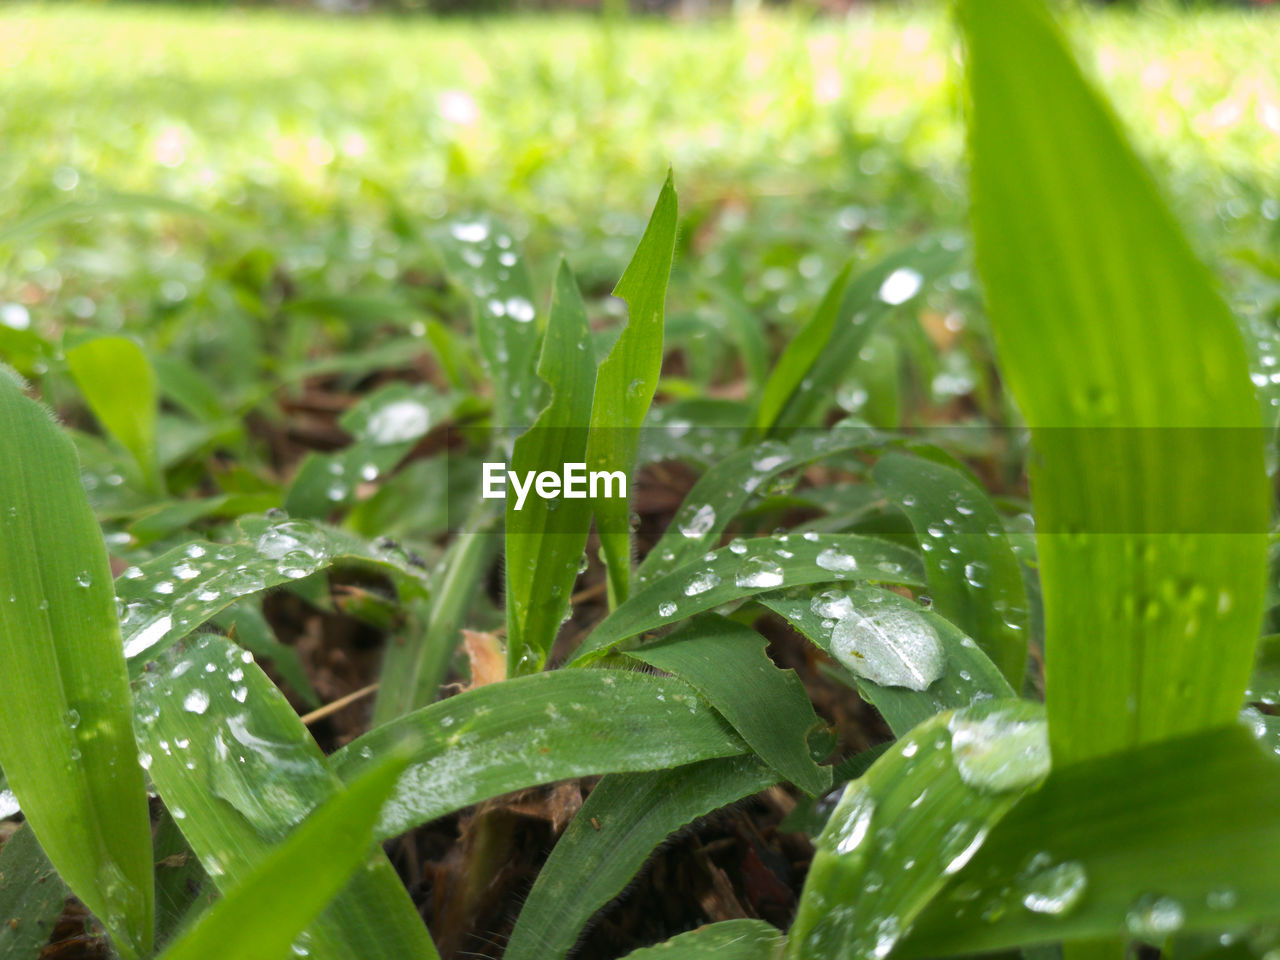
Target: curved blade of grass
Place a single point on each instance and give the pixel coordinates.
(968, 674)
(727, 664)
(974, 578)
(626, 816)
(1154, 851)
(239, 771)
(65, 738)
(31, 897)
(538, 729)
(481, 256)
(915, 818)
(413, 671)
(259, 918)
(119, 385)
(725, 489)
(800, 354)
(1147, 570)
(626, 382)
(870, 297)
(544, 540)
(747, 568)
(170, 596)
(727, 940)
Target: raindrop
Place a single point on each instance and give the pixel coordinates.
(197, 701)
(837, 561)
(1153, 917)
(999, 751)
(893, 647)
(84, 578)
(975, 574)
(852, 819)
(520, 309)
(666, 609)
(1055, 890)
(701, 583)
(900, 286)
(704, 518)
(399, 422)
(475, 232)
(758, 573)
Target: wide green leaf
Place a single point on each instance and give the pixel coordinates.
(119, 385)
(933, 645)
(239, 772)
(974, 577)
(66, 742)
(746, 568)
(726, 488)
(626, 382)
(172, 595)
(259, 918)
(538, 729)
(915, 818)
(1123, 846)
(728, 665)
(1103, 318)
(626, 816)
(544, 539)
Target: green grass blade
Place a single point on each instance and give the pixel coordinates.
(259, 918)
(967, 673)
(31, 897)
(1103, 317)
(728, 486)
(1152, 852)
(119, 385)
(727, 664)
(480, 254)
(544, 540)
(626, 816)
(170, 596)
(873, 294)
(800, 354)
(66, 741)
(727, 940)
(239, 772)
(974, 578)
(627, 379)
(412, 672)
(916, 817)
(519, 733)
(747, 568)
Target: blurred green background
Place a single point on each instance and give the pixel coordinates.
(250, 189)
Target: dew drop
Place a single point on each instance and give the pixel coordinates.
(701, 583)
(758, 573)
(900, 286)
(700, 524)
(999, 751)
(893, 647)
(1055, 890)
